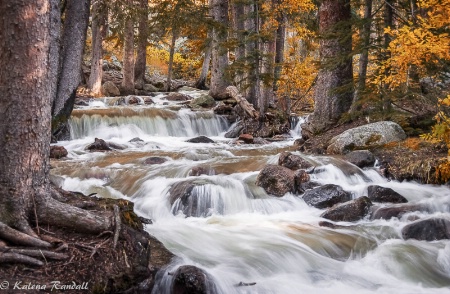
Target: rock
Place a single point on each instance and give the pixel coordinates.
(260, 141)
(187, 89)
(136, 140)
(130, 100)
(247, 138)
(81, 102)
(200, 139)
(326, 196)
(429, 230)
(350, 211)
(99, 145)
(184, 197)
(150, 88)
(366, 136)
(201, 170)
(148, 100)
(204, 100)
(360, 158)
(276, 180)
(383, 194)
(398, 210)
(189, 279)
(235, 130)
(300, 179)
(154, 160)
(109, 89)
(292, 161)
(58, 152)
(223, 109)
(174, 96)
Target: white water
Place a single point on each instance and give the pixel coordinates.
(243, 234)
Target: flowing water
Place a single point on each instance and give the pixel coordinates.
(240, 233)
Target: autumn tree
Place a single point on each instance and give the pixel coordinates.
(27, 30)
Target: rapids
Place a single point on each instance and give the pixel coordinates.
(242, 234)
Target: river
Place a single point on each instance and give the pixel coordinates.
(240, 233)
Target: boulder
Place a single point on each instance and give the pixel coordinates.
(148, 100)
(247, 138)
(234, 130)
(349, 211)
(99, 145)
(154, 160)
(260, 141)
(276, 180)
(150, 88)
(360, 158)
(109, 89)
(200, 139)
(366, 136)
(397, 210)
(326, 196)
(58, 152)
(183, 197)
(204, 100)
(383, 194)
(201, 170)
(174, 96)
(301, 177)
(130, 100)
(189, 279)
(223, 109)
(428, 230)
(187, 89)
(292, 161)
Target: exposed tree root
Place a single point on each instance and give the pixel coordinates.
(19, 258)
(9, 234)
(38, 253)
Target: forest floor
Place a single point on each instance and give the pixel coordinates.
(93, 264)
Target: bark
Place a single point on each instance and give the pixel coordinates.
(239, 35)
(388, 22)
(201, 82)
(141, 56)
(248, 108)
(128, 57)
(72, 46)
(279, 48)
(250, 55)
(171, 55)
(333, 94)
(364, 58)
(98, 33)
(219, 82)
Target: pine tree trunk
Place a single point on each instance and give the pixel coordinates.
(333, 93)
(141, 56)
(25, 107)
(201, 82)
(219, 82)
(284, 101)
(171, 54)
(388, 22)
(98, 33)
(71, 54)
(250, 56)
(128, 57)
(239, 35)
(364, 58)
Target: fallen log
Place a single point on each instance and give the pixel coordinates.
(249, 110)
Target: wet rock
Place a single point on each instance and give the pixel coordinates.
(200, 139)
(301, 178)
(130, 100)
(366, 136)
(136, 140)
(81, 102)
(154, 160)
(58, 152)
(247, 138)
(223, 109)
(383, 194)
(276, 180)
(234, 130)
(204, 100)
(189, 279)
(350, 211)
(99, 145)
(185, 198)
(187, 89)
(260, 141)
(109, 89)
(292, 161)
(326, 196)
(174, 96)
(428, 230)
(201, 170)
(397, 210)
(360, 158)
(150, 88)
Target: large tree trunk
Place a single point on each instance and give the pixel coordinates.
(388, 23)
(364, 58)
(239, 16)
(250, 55)
(284, 101)
(201, 82)
(141, 56)
(69, 77)
(171, 55)
(25, 128)
(98, 33)
(219, 82)
(128, 56)
(333, 93)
